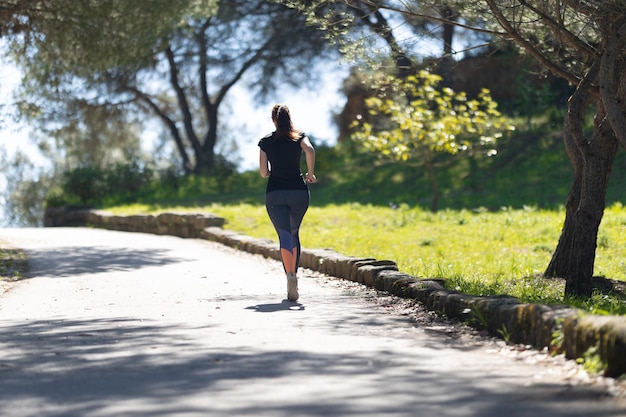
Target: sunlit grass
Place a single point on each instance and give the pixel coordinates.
(478, 252)
(474, 246)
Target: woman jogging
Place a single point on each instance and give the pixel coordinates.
(287, 192)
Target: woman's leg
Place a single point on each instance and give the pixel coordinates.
(286, 209)
(299, 207)
(278, 211)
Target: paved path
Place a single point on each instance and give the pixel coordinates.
(122, 324)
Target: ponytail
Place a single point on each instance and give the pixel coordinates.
(284, 126)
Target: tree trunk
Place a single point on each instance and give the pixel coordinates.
(205, 161)
(432, 178)
(446, 64)
(205, 158)
(575, 253)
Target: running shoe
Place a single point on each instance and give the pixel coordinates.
(292, 287)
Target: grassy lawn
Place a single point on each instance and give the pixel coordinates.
(479, 252)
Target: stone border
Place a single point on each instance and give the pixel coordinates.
(556, 327)
(187, 225)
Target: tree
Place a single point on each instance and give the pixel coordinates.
(420, 119)
(23, 195)
(90, 34)
(90, 136)
(585, 43)
(582, 42)
(78, 134)
(403, 27)
(181, 71)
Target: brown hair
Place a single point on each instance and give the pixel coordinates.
(282, 120)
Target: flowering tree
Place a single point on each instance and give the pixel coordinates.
(412, 119)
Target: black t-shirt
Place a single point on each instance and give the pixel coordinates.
(284, 156)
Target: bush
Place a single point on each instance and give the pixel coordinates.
(84, 185)
(93, 186)
(124, 181)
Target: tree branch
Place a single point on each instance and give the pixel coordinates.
(244, 67)
(377, 22)
(560, 30)
(182, 101)
(514, 35)
(202, 70)
(410, 12)
(171, 125)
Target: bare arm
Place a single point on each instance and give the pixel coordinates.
(309, 153)
(264, 166)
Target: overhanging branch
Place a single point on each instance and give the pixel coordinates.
(525, 44)
(410, 12)
(559, 30)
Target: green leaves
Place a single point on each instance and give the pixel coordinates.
(413, 117)
(99, 34)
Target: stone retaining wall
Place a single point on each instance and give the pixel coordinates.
(530, 324)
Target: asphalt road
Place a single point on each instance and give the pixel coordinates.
(128, 324)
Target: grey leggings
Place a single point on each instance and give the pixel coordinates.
(286, 209)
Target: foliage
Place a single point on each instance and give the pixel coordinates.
(25, 190)
(176, 70)
(91, 35)
(88, 136)
(592, 361)
(87, 184)
(412, 118)
(402, 27)
(417, 117)
(93, 186)
(558, 337)
(530, 169)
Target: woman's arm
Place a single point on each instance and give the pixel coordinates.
(309, 153)
(264, 166)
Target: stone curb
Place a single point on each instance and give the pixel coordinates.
(558, 328)
(178, 224)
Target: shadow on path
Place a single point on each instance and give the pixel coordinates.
(64, 262)
(285, 305)
(89, 367)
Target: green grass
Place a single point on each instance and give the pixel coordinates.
(450, 243)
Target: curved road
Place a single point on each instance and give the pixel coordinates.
(127, 324)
